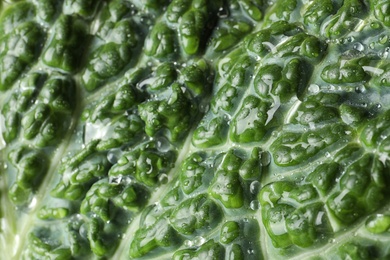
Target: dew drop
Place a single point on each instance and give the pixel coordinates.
(163, 178)
(254, 205)
(360, 89)
(223, 12)
(265, 158)
(383, 39)
(358, 46)
(163, 144)
(375, 25)
(188, 243)
(314, 88)
(83, 231)
(199, 240)
(113, 155)
(250, 251)
(254, 187)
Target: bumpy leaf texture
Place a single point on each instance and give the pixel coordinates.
(194, 129)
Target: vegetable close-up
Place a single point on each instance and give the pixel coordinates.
(194, 129)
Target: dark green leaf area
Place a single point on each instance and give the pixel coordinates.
(31, 166)
(121, 32)
(253, 9)
(113, 104)
(312, 112)
(280, 11)
(147, 164)
(226, 185)
(381, 10)
(293, 148)
(192, 171)
(317, 12)
(361, 190)
(115, 11)
(292, 216)
(345, 71)
(375, 132)
(164, 75)
(102, 244)
(253, 167)
(67, 47)
(210, 250)
(156, 236)
(79, 171)
(346, 18)
(176, 112)
(226, 98)
(192, 20)
(282, 39)
(48, 9)
(18, 50)
(43, 245)
(22, 98)
(161, 43)
(83, 8)
(107, 199)
(228, 33)
(230, 230)
(249, 124)
(281, 83)
(197, 78)
(15, 15)
(107, 205)
(236, 68)
(105, 62)
(324, 176)
(195, 215)
(78, 237)
(210, 133)
(49, 118)
(358, 251)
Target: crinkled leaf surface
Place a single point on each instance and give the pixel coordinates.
(194, 129)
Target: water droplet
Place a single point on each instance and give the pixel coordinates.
(113, 155)
(119, 179)
(358, 46)
(188, 243)
(383, 39)
(223, 12)
(83, 231)
(360, 89)
(254, 187)
(199, 240)
(375, 25)
(163, 178)
(204, 108)
(265, 158)
(250, 251)
(314, 88)
(254, 205)
(163, 144)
